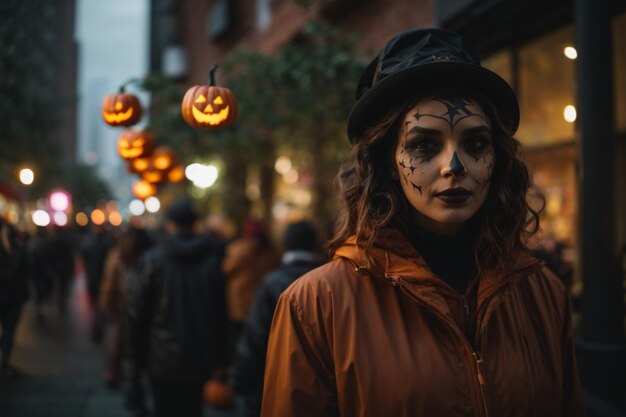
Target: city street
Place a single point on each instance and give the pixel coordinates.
(60, 368)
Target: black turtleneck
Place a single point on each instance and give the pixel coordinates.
(451, 258)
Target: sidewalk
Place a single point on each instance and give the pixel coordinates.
(61, 369)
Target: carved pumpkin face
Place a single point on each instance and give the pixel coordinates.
(160, 163)
(209, 107)
(143, 189)
(121, 109)
(138, 165)
(135, 143)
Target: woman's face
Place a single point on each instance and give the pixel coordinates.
(444, 159)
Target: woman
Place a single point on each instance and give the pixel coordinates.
(431, 305)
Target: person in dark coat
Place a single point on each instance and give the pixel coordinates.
(300, 243)
(40, 269)
(94, 249)
(13, 291)
(177, 323)
(61, 265)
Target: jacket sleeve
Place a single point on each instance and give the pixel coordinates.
(573, 399)
(299, 382)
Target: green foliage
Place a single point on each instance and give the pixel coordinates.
(295, 102)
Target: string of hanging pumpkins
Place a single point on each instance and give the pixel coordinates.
(203, 106)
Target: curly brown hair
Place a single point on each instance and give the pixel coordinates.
(374, 199)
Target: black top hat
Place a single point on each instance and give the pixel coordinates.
(416, 62)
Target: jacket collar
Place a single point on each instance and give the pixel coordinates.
(395, 260)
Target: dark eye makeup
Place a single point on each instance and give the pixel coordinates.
(423, 145)
(476, 144)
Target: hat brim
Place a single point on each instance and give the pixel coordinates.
(391, 91)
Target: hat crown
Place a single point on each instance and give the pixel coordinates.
(419, 62)
(415, 48)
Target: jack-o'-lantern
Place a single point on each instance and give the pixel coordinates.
(135, 143)
(209, 106)
(121, 109)
(143, 189)
(139, 164)
(160, 163)
(177, 174)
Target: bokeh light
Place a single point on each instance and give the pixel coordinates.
(202, 176)
(59, 200)
(282, 164)
(136, 207)
(143, 189)
(570, 52)
(115, 218)
(41, 218)
(98, 217)
(152, 204)
(82, 219)
(569, 113)
(59, 218)
(27, 176)
(291, 176)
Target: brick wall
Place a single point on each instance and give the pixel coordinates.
(374, 20)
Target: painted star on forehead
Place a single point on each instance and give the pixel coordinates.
(456, 107)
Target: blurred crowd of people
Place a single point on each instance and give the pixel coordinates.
(184, 311)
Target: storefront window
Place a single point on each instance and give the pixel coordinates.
(500, 63)
(619, 74)
(546, 89)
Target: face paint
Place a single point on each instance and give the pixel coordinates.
(444, 159)
(456, 166)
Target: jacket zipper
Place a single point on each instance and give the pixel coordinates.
(396, 281)
(478, 360)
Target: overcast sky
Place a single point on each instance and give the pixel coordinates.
(113, 47)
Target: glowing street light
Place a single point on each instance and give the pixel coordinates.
(27, 176)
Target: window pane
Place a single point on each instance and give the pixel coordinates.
(546, 87)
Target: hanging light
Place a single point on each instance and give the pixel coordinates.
(569, 113)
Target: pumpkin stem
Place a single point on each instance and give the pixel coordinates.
(212, 75)
(128, 82)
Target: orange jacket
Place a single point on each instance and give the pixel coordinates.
(245, 264)
(387, 337)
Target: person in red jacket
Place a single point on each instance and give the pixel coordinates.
(432, 304)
